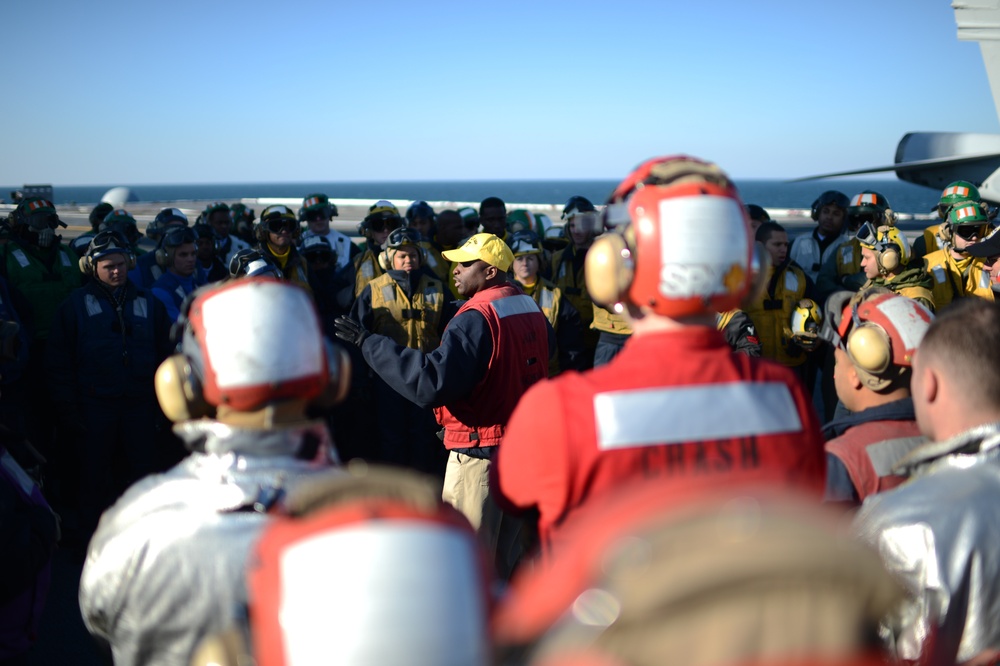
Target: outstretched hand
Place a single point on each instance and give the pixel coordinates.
(350, 330)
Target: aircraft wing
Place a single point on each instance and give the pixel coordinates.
(979, 21)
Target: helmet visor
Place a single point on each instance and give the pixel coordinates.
(867, 235)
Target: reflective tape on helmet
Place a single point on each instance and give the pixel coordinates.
(698, 261)
(650, 417)
(955, 191)
(908, 318)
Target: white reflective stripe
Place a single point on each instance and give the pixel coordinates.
(847, 254)
(180, 292)
(431, 296)
(547, 299)
(156, 272)
(21, 258)
(984, 279)
(938, 273)
(93, 305)
(514, 305)
(65, 259)
(140, 308)
(389, 292)
(367, 269)
(649, 417)
(791, 281)
(698, 264)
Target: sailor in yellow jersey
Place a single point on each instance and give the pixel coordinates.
(408, 304)
(771, 311)
(989, 250)
(565, 320)
(382, 218)
(885, 258)
(958, 192)
(583, 223)
(954, 272)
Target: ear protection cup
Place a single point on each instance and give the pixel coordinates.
(225, 648)
(888, 259)
(946, 233)
(610, 267)
(179, 390)
(869, 348)
(162, 257)
(339, 383)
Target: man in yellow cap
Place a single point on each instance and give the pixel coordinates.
(496, 346)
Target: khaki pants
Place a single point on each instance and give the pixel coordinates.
(467, 488)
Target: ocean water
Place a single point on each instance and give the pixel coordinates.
(904, 197)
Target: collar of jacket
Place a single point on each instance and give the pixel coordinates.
(220, 439)
(898, 410)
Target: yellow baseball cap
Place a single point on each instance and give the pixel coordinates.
(487, 247)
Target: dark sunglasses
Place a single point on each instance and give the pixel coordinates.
(381, 225)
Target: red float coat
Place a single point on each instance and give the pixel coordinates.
(869, 451)
(520, 358)
(675, 404)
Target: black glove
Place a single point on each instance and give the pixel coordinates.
(350, 330)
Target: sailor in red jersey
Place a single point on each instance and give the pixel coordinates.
(875, 335)
(676, 403)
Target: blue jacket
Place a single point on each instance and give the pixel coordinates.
(96, 352)
(146, 271)
(172, 289)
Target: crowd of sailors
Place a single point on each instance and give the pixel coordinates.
(658, 427)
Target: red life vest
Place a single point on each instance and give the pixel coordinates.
(870, 450)
(520, 358)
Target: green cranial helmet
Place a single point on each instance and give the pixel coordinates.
(318, 204)
(957, 192)
(967, 213)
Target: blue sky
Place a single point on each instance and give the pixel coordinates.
(204, 92)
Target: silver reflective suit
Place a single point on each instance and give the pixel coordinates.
(166, 564)
(939, 534)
